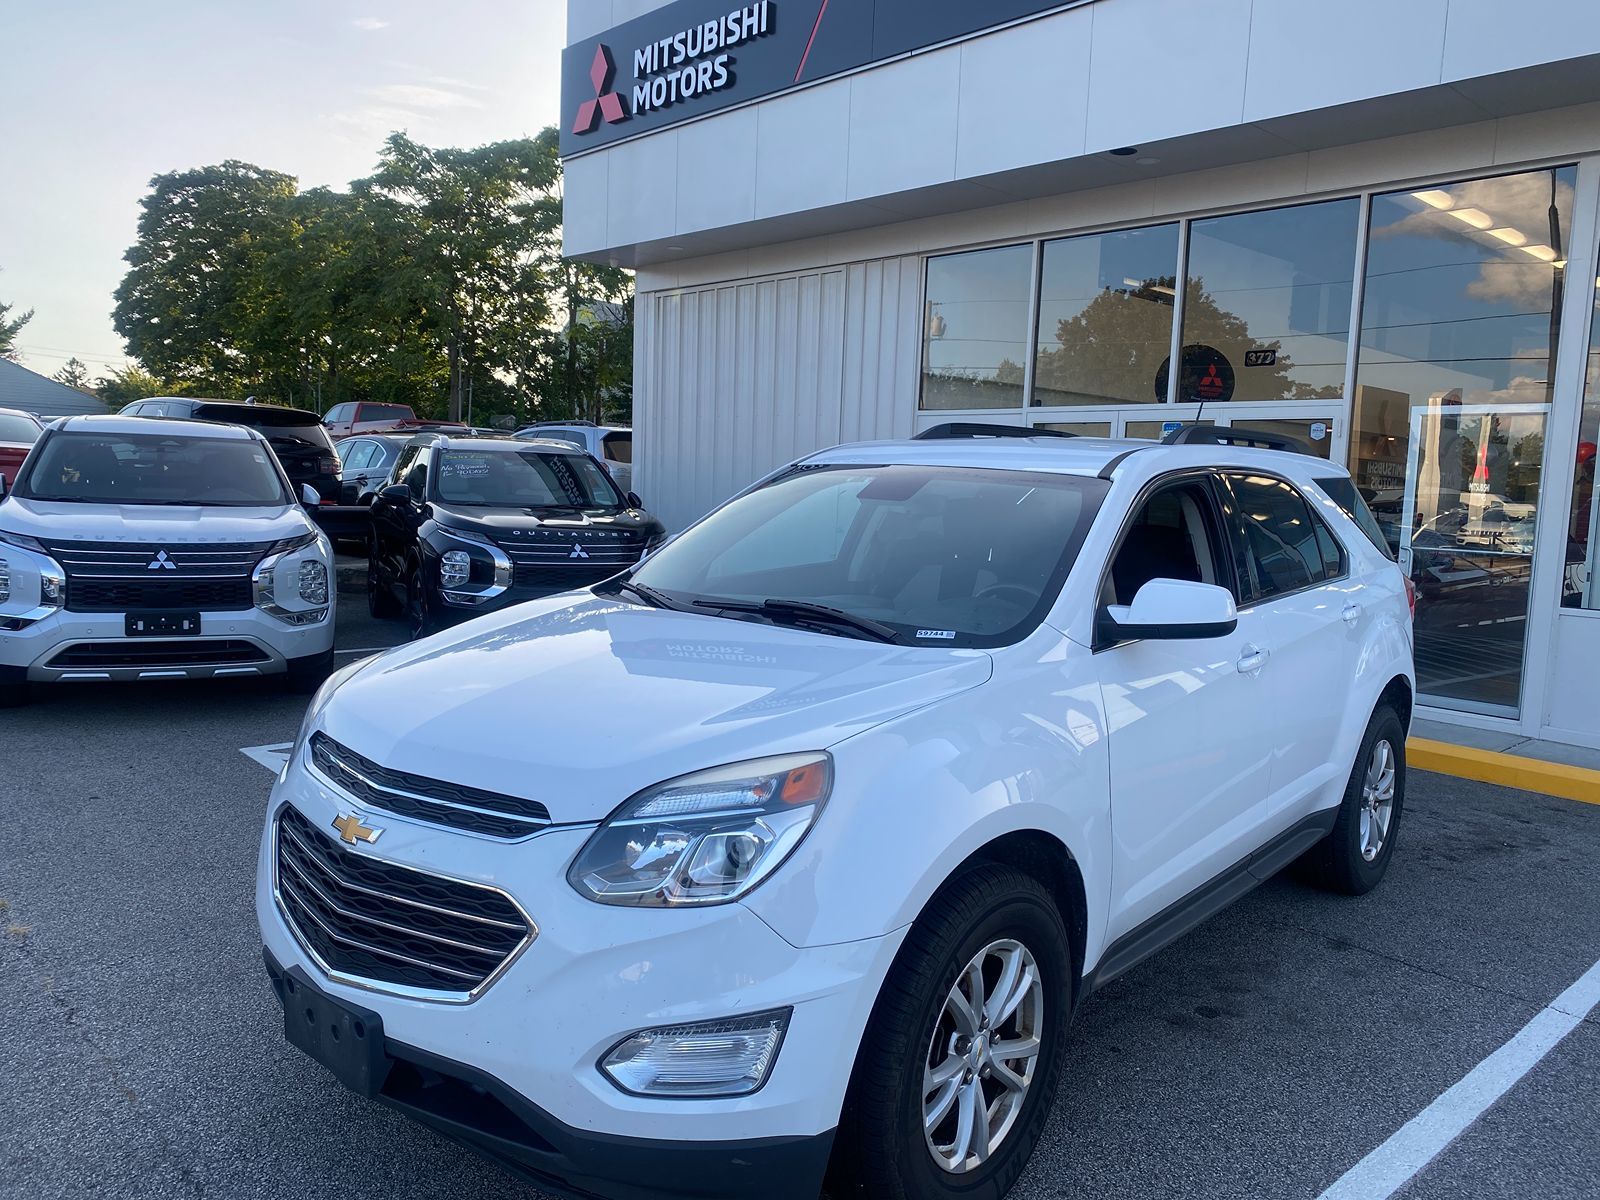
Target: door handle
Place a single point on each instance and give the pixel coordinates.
(1252, 660)
(1351, 614)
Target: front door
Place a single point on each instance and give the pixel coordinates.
(1190, 722)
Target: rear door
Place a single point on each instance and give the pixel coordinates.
(1294, 573)
(1191, 722)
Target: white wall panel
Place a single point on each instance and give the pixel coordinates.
(903, 124)
(1024, 95)
(709, 195)
(734, 380)
(801, 161)
(1487, 36)
(1305, 56)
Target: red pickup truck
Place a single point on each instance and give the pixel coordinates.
(345, 420)
(18, 432)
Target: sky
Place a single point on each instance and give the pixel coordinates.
(98, 96)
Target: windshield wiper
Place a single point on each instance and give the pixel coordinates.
(648, 594)
(805, 610)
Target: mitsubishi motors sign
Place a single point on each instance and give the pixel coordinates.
(693, 57)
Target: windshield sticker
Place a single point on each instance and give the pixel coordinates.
(465, 466)
(942, 634)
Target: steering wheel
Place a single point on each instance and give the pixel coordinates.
(1028, 597)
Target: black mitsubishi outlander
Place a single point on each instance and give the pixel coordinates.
(467, 525)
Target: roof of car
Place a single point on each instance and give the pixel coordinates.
(1069, 456)
(506, 444)
(167, 426)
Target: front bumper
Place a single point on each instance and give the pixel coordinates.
(532, 1039)
(68, 647)
(482, 1112)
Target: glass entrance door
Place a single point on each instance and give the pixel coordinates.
(1467, 533)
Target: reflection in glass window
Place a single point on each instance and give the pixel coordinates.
(1105, 317)
(1100, 429)
(1267, 304)
(975, 329)
(1460, 309)
(1581, 584)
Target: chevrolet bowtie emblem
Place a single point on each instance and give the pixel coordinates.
(351, 830)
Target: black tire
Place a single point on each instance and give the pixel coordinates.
(306, 675)
(881, 1152)
(418, 613)
(380, 600)
(1340, 862)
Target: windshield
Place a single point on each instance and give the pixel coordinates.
(153, 468)
(943, 556)
(523, 479)
(18, 429)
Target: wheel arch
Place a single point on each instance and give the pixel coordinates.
(1397, 694)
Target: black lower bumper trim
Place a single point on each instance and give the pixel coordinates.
(481, 1112)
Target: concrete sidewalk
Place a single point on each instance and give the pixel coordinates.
(1507, 759)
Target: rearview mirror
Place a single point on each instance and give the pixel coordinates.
(1169, 610)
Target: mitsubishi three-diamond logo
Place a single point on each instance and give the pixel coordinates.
(161, 563)
(606, 102)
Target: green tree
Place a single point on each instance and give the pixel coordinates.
(472, 240)
(9, 328)
(75, 375)
(123, 386)
(190, 305)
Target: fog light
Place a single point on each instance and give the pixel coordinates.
(455, 568)
(313, 582)
(51, 587)
(731, 1057)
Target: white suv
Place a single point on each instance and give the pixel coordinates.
(133, 548)
(795, 848)
(611, 444)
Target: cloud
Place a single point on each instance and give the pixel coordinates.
(370, 24)
(420, 97)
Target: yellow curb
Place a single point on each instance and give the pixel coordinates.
(1507, 770)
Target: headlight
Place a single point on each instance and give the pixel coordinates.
(313, 581)
(289, 545)
(455, 568)
(22, 541)
(468, 535)
(705, 838)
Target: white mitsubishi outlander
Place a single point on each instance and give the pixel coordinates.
(136, 549)
(791, 851)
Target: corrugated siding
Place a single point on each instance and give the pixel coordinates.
(735, 379)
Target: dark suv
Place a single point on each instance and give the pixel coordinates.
(468, 525)
(296, 436)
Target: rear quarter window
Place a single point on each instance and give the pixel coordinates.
(1341, 489)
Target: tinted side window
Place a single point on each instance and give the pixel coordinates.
(407, 457)
(1275, 537)
(1341, 490)
(418, 475)
(619, 447)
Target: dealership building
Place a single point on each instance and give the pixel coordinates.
(1369, 224)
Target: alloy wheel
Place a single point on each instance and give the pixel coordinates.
(982, 1056)
(1377, 799)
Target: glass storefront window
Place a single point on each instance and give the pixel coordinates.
(975, 329)
(1105, 317)
(1454, 383)
(1267, 304)
(1079, 428)
(1153, 431)
(1580, 587)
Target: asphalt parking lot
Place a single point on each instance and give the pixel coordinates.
(141, 1052)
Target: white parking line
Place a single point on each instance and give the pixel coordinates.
(1419, 1140)
(271, 757)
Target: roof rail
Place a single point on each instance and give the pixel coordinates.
(538, 424)
(1233, 435)
(977, 429)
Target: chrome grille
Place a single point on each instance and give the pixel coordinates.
(554, 547)
(120, 577)
(417, 796)
(367, 920)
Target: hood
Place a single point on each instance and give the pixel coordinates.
(55, 520)
(579, 703)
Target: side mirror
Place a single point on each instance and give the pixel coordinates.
(395, 493)
(349, 494)
(1169, 610)
(309, 496)
(633, 500)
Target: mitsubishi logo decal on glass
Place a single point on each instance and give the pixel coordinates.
(578, 552)
(161, 562)
(605, 101)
